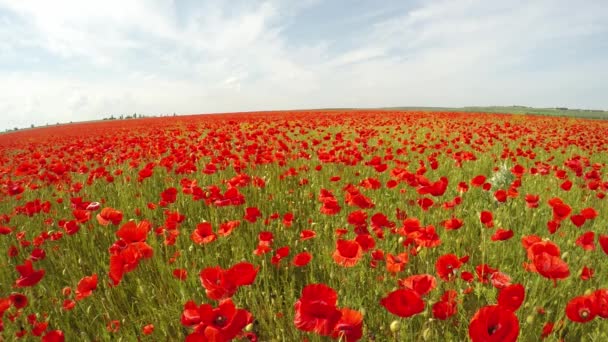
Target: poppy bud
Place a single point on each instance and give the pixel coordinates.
(395, 326)
(249, 327)
(530, 319)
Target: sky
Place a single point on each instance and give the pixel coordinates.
(74, 60)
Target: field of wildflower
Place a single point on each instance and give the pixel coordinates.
(306, 226)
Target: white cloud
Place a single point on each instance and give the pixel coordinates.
(113, 57)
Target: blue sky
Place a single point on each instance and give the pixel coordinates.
(71, 60)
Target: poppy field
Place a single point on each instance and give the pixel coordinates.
(306, 226)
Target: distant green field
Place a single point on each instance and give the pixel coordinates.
(583, 113)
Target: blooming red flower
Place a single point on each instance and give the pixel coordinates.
(403, 302)
(601, 302)
(226, 228)
(512, 296)
(500, 195)
(550, 266)
(447, 266)
(587, 273)
(148, 329)
(396, 263)
(220, 324)
(532, 201)
(221, 284)
(18, 300)
(603, 240)
(53, 336)
(302, 259)
(447, 306)
(486, 218)
(86, 286)
(547, 330)
(29, 276)
(581, 309)
(421, 283)
(252, 214)
(169, 195)
(502, 234)
(586, 241)
(180, 273)
(478, 181)
(452, 224)
(347, 253)
(494, 323)
(350, 326)
(203, 234)
(560, 209)
(109, 215)
(307, 234)
(316, 310)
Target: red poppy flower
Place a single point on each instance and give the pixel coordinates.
(484, 272)
(425, 203)
(494, 323)
(347, 253)
(180, 273)
(532, 201)
(478, 181)
(547, 330)
(447, 306)
(86, 286)
(500, 195)
(578, 220)
(502, 234)
(53, 336)
(560, 209)
(221, 284)
(403, 303)
(252, 214)
(29, 276)
(603, 240)
(452, 224)
(587, 273)
(581, 309)
(447, 266)
(486, 218)
(281, 253)
(550, 266)
(307, 234)
(500, 280)
(18, 300)
(589, 213)
(601, 302)
(131, 232)
(586, 241)
(421, 283)
(366, 241)
(512, 296)
(350, 326)
(203, 234)
(223, 323)
(396, 263)
(302, 259)
(226, 228)
(566, 185)
(148, 329)
(316, 310)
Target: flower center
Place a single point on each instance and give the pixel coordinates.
(492, 329)
(219, 321)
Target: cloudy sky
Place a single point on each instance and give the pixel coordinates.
(72, 60)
